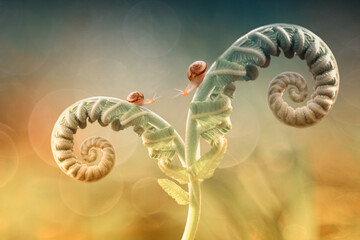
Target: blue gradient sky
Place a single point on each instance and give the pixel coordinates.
(275, 181)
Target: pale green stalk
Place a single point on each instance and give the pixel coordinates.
(191, 155)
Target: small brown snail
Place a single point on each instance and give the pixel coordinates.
(137, 98)
(196, 74)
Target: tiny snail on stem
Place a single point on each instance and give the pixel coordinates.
(137, 98)
(208, 116)
(196, 74)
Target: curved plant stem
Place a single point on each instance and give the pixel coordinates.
(191, 147)
(192, 153)
(193, 217)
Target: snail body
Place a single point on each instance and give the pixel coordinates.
(138, 99)
(209, 115)
(196, 74)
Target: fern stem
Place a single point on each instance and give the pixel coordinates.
(192, 153)
(193, 217)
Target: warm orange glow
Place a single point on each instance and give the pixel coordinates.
(276, 182)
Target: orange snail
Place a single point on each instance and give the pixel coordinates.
(196, 74)
(137, 98)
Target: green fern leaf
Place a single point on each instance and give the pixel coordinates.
(208, 134)
(174, 191)
(204, 168)
(177, 173)
(204, 109)
(226, 72)
(160, 142)
(134, 116)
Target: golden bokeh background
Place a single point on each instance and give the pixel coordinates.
(275, 182)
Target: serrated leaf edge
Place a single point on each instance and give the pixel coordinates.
(175, 191)
(200, 170)
(177, 173)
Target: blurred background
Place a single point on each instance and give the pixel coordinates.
(275, 182)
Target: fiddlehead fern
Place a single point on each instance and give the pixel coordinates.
(254, 49)
(158, 136)
(209, 114)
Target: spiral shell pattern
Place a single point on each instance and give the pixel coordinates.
(253, 50)
(120, 114)
(196, 70)
(135, 96)
(285, 113)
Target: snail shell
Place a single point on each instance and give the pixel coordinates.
(196, 71)
(196, 74)
(135, 97)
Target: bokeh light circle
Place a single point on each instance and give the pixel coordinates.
(147, 196)
(43, 118)
(91, 199)
(151, 29)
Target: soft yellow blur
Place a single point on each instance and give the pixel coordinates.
(274, 183)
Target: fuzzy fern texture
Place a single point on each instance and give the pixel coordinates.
(208, 117)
